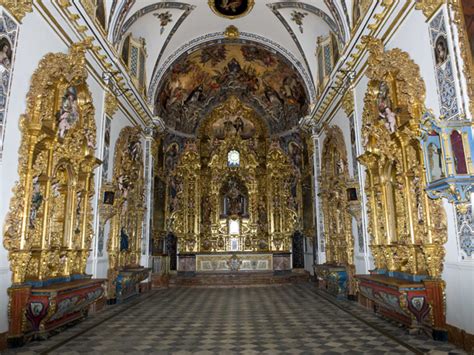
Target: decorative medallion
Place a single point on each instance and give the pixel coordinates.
(231, 9)
(232, 32)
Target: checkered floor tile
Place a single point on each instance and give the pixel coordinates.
(289, 319)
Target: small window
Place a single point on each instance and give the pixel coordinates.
(233, 158)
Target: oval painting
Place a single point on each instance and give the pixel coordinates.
(231, 8)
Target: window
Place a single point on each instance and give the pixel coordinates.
(233, 158)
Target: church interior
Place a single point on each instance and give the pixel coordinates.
(237, 176)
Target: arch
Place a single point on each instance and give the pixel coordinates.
(201, 79)
(219, 37)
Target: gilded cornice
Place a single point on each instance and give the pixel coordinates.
(18, 8)
(429, 7)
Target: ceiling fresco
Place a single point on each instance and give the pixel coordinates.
(198, 81)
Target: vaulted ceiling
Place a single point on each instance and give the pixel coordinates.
(173, 30)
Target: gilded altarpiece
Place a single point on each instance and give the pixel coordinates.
(339, 270)
(124, 243)
(407, 228)
(48, 229)
(230, 190)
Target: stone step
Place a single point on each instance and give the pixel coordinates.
(237, 279)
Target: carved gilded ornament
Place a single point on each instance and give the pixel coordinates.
(348, 102)
(232, 32)
(202, 177)
(333, 191)
(48, 229)
(111, 104)
(18, 8)
(402, 218)
(124, 245)
(429, 7)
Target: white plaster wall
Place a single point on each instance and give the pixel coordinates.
(34, 41)
(459, 277)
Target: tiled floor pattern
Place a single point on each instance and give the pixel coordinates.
(289, 319)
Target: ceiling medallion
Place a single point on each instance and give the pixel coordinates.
(231, 9)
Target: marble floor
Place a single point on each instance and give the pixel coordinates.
(286, 319)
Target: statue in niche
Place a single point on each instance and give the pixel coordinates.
(434, 161)
(134, 150)
(36, 201)
(206, 210)
(384, 105)
(68, 114)
(234, 199)
(123, 239)
(418, 201)
(124, 185)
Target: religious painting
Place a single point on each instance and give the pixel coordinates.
(68, 113)
(109, 197)
(385, 107)
(441, 50)
(231, 8)
(459, 156)
(261, 79)
(236, 125)
(435, 165)
(5, 54)
(443, 64)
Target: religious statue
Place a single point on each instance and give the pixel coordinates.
(36, 201)
(68, 114)
(123, 239)
(235, 198)
(384, 106)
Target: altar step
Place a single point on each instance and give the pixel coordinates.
(237, 279)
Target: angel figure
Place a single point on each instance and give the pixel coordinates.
(389, 117)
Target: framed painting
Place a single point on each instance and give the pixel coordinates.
(231, 8)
